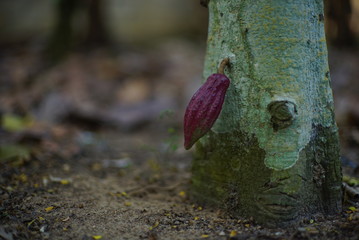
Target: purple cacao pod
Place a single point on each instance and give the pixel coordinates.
(204, 108)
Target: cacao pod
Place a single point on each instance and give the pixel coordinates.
(204, 108)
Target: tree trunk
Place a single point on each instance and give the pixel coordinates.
(339, 14)
(61, 39)
(273, 153)
(96, 33)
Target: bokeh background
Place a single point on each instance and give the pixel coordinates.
(124, 66)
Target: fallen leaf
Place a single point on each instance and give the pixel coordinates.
(14, 153)
(233, 233)
(14, 123)
(31, 222)
(353, 209)
(182, 194)
(352, 181)
(128, 204)
(22, 178)
(63, 181)
(154, 225)
(49, 209)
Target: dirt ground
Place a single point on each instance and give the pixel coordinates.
(79, 169)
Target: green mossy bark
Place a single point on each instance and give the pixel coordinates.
(278, 163)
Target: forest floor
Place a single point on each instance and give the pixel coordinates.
(91, 148)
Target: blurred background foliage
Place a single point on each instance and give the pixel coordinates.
(342, 22)
(120, 63)
(143, 22)
(140, 22)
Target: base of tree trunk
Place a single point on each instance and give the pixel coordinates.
(235, 178)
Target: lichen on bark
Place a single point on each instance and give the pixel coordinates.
(273, 152)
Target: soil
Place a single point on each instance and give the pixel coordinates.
(145, 198)
(86, 178)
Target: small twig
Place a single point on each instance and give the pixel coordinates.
(350, 191)
(224, 63)
(153, 187)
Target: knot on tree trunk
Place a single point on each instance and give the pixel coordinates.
(283, 113)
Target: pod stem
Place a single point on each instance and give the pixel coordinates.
(223, 64)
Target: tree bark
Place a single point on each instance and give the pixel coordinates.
(273, 153)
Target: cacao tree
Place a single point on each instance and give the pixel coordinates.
(273, 152)
(63, 36)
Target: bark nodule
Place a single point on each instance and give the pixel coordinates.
(283, 114)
